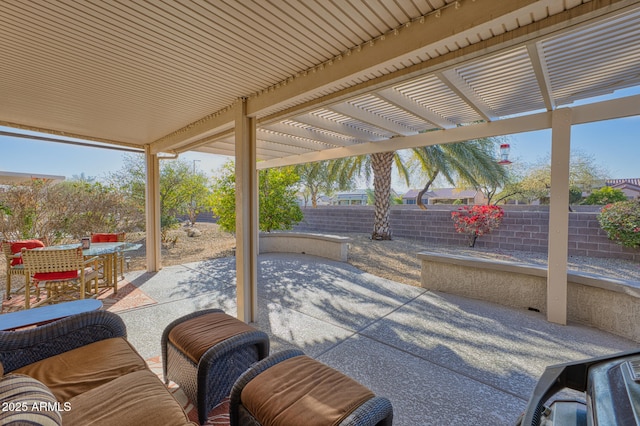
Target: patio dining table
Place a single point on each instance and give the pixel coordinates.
(108, 251)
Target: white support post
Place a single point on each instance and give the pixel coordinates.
(152, 188)
(246, 215)
(559, 217)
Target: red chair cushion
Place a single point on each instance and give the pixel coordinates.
(17, 246)
(104, 238)
(52, 276)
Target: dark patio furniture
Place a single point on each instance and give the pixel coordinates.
(206, 351)
(298, 390)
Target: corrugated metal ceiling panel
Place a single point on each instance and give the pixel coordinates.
(506, 83)
(595, 60)
(144, 69)
(138, 71)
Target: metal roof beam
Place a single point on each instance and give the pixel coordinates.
(460, 87)
(217, 122)
(393, 96)
(333, 126)
(309, 133)
(228, 149)
(607, 110)
(376, 120)
(539, 64)
(370, 56)
(293, 141)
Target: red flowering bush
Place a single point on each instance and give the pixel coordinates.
(621, 222)
(477, 220)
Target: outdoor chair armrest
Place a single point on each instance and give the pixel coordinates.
(24, 347)
(93, 259)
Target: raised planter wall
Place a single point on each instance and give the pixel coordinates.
(523, 228)
(599, 301)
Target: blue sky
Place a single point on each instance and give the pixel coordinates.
(615, 146)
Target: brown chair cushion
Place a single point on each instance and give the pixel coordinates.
(74, 372)
(303, 391)
(195, 336)
(139, 398)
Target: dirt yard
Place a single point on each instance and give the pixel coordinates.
(211, 243)
(395, 260)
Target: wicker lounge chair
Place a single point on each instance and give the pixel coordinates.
(63, 271)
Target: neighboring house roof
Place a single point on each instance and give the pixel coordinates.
(627, 188)
(626, 185)
(447, 193)
(359, 194)
(631, 187)
(413, 193)
(356, 193)
(615, 182)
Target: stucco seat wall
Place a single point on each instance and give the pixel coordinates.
(330, 246)
(606, 303)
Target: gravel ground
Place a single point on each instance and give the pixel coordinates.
(395, 260)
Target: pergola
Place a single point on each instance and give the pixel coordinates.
(281, 82)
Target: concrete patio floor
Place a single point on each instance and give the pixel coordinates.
(440, 359)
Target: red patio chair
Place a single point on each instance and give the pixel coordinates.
(112, 237)
(12, 253)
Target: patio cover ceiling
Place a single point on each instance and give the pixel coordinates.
(320, 77)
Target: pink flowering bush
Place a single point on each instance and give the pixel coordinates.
(475, 221)
(621, 222)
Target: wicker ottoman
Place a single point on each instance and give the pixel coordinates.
(205, 352)
(291, 389)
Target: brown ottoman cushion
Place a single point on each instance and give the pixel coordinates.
(303, 391)
(197, 335)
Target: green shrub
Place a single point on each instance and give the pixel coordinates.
(621, 222)
(605, 195)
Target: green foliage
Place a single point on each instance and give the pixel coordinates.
(575, 195)
(463, 164)
(323, 177)
(278, 207)
(223, 197)
(605, 195)
(5, 209)
(183, 190)
(621, 222)
(535, 182)
(64, 211)
(278, 204)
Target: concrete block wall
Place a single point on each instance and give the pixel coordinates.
(520, 230)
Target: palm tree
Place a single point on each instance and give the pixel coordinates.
(471, 162)
(381, 164)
